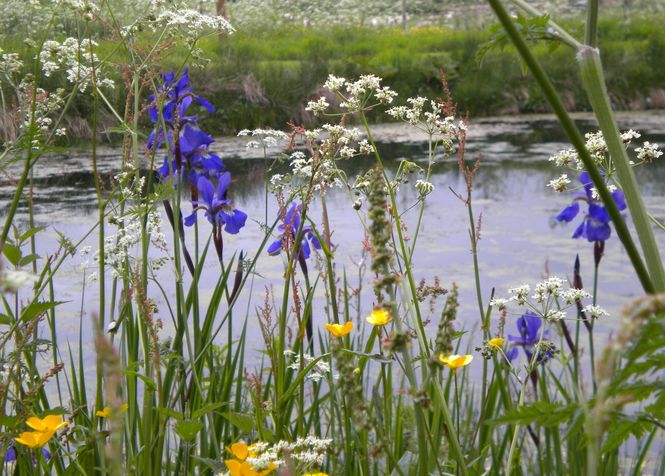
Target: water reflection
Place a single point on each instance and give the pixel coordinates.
(520, 240)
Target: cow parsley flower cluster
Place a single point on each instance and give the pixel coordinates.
(427, 116)
(318, 167)
(559, 184)
(597, 147)
(77, 59)
(648, 152)
(303, 456)
(192, 24)
(10, 64)
(85, 8)
(316, 373)
(47, 105)
(549, 301)
(264, 138)
(362, 94)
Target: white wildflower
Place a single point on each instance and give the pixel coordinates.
(317, 107)
(559, 184)
(554, 315)
(573, 295)
(11, 280)
(365, 148)
(520, 293)
(629, 135)
(334, 83)
(564, 158)
(193, 24)
(385, 95)
(499, 303)
(346, 152)
(595, 311)
(648, 152)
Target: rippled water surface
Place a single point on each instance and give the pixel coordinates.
(520, 240)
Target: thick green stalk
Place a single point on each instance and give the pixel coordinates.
(577, 140)
(591, 31)
(594, 84)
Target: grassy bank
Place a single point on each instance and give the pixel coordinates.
(264, 78)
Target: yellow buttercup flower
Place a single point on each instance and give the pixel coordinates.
(106, 412)
(44, 429)
(379, 317)
(456, 361)
(34, 439)
(340, 330)
(496, 342)
(240, 450)
(50, 423)
(241, 467)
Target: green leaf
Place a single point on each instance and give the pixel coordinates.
(216, 466)
(621, 430)
(146, 380)
(207, 409)
(36, 309)
(5, 319)
(188, 429)
(31, 232)
(543, 413)
(12, 253)
(171, 413)
(25, 260)
(243, 422)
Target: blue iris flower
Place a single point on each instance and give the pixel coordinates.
(596, 223)
(178, 97)
(289, 228)
(194, 151)
(528, 326)
(218, 209)
(10, 455)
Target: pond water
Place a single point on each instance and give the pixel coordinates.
(520, 240)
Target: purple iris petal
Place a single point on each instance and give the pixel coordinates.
(528, 326)
(10, 455)
(46, 453)
(192, 139)
(512, 354)
(275, 247)
(190, 219)
(306, 251)
(205, 103)
(223, 183)
(207, 190)
(568, 213)
(619, 199)
(597, 230)
(585, 180)
(290, 226)
(314, 240)
(580, 230)
(598, 213)
(233, 222)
